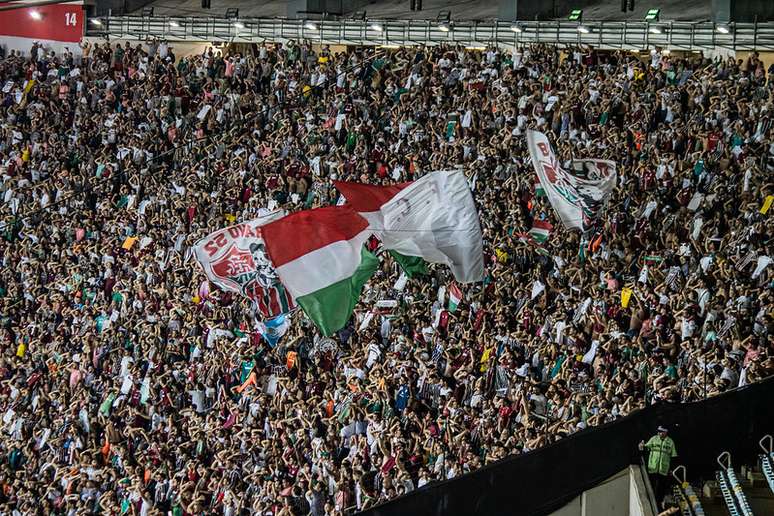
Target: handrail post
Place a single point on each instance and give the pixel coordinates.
(676, 474)
(727, 456)
(770, 448)
(647, 36)
(714, 30)
(558, 35)
(733, 38)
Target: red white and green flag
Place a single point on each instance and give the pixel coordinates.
(315, 257)
(320, 257)
(455, 297)
(540, 231)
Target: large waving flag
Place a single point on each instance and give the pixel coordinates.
(434, 218)
(234, 259)
(577, 196)
(320, 258)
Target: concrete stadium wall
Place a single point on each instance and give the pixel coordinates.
(182, 48)
(623, 494)
(766, 57)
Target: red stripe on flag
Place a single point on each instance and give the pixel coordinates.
(288, 299)
(302, 232)
(455, 291)
(542, 224)
(365, 198)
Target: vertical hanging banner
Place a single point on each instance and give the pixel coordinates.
(455, 297)
(577, 196)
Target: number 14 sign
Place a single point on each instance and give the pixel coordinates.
(55, 22)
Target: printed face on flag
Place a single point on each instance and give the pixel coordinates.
(235, 259)
(576, 196)
(245, 263)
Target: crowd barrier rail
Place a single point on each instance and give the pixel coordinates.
(626, 35)
(543, 480)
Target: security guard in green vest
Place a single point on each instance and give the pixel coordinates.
(661, 450)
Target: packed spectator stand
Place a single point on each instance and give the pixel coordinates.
(122, 372)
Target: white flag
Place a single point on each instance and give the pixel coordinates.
(643, 275)
(537, 288)
(434, 218)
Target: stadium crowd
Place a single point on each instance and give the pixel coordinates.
(129, 385)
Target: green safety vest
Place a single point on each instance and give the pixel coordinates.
(661, 453)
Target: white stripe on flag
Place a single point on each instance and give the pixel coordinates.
(323, 267)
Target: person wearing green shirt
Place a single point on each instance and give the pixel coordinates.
(661, 450)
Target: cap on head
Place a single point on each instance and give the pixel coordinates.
(662, 429)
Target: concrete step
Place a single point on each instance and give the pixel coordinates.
(761, 500)
(714, 507)
(752, 477)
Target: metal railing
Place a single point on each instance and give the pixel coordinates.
(603, 34)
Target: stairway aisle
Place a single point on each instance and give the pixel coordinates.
(761, 500)
(758, 494)
(714, 507)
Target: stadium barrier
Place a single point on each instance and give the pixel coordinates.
(626, 35)
(544, 480)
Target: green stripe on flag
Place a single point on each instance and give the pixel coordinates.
(331, 307)
(540, 235)
(411, 265)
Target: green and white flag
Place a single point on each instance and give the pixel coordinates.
(412, 265)
(433, 219)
